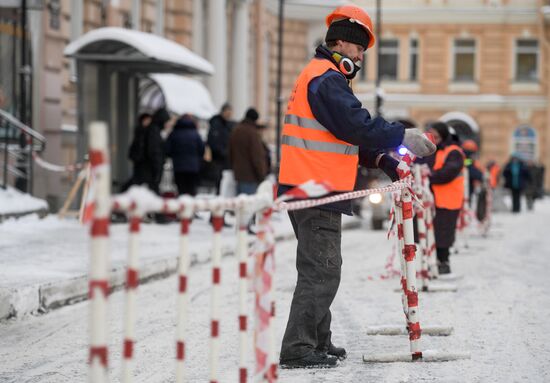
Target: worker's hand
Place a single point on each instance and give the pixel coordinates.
(403, 170)
(395, 169)
(419, 144)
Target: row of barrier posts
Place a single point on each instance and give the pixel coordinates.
(403, 212)
(138, 201)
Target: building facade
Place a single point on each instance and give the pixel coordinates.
(237, 36)
(481, 65)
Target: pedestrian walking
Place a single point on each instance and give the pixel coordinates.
(137, 153)
(516, 176)
(218, 142)
(447, 184)
(326, 134)
(155, 148)
(186, 148)
(247, 154)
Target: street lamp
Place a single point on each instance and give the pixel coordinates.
(378, 91)
(279, 83)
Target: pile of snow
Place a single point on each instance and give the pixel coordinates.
(13, 201)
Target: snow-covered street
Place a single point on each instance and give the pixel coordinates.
(499, 314)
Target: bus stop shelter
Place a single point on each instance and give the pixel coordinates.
(110, 63)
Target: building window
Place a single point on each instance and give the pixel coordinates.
(464, 51)
(413, 68)
(527, 52)
(389, 54)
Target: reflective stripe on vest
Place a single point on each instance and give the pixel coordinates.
(309, 123)
(309, 151)
(319, 146)
(449, 195)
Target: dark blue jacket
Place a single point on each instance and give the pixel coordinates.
(516, 175)
(334, 105)
(185, 146)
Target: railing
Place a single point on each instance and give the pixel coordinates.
(17, 150)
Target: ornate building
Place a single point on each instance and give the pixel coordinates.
(481, 65)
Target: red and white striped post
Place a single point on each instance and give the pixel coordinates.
(409, 254)
(398, 213)
(186, 211)
(464, 216)
(428, 202)
(99, 263)
(243, 218)
(217, 224)
(421, 225)
(266, 363)
(132, 278)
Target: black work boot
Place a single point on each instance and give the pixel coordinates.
(444, 268)
(315, 359)
(338, 352)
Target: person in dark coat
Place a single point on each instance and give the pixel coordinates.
(445, 177)
(186, 148)
(247, 154)
(155, 148)
(516, 177)
(141, 173)
(218, 141)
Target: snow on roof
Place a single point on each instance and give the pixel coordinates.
(184, 95)
(153, 47)
(13, 201)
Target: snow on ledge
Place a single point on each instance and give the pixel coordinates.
(13, 201)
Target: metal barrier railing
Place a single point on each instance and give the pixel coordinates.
(20, 146)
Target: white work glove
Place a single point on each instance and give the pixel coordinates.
(418, 143)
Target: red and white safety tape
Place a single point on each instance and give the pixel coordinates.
(297, 205)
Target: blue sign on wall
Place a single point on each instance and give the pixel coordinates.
(524, 142)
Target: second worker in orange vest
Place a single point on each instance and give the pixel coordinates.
(325, 135)
(447, 183)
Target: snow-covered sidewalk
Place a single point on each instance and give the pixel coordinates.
(500, 315)
(44, 262)
(14, 203)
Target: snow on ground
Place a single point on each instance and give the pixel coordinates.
(499, 314)
(56, 249)
(13, 201)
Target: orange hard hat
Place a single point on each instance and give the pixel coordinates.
(470, 146)
(354, 14)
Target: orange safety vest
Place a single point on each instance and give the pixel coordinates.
(494, 172)
(309, 151)
(449, 195)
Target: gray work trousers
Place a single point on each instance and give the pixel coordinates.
(319, 263)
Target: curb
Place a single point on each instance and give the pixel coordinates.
(40, 299)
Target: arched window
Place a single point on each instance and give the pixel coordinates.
(465, 126)
(525, 143)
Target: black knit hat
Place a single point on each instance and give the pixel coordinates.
(345, 30)
(252, 115)
(441, 128)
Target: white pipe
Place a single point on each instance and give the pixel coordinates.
(217, 223)
(240, 58)
(242, 254)
(131, 286)
(182, 301)
(99, 263)
(217, 50)
(410, 254)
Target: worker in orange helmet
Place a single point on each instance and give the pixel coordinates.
(447, 184)
(326, 134)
